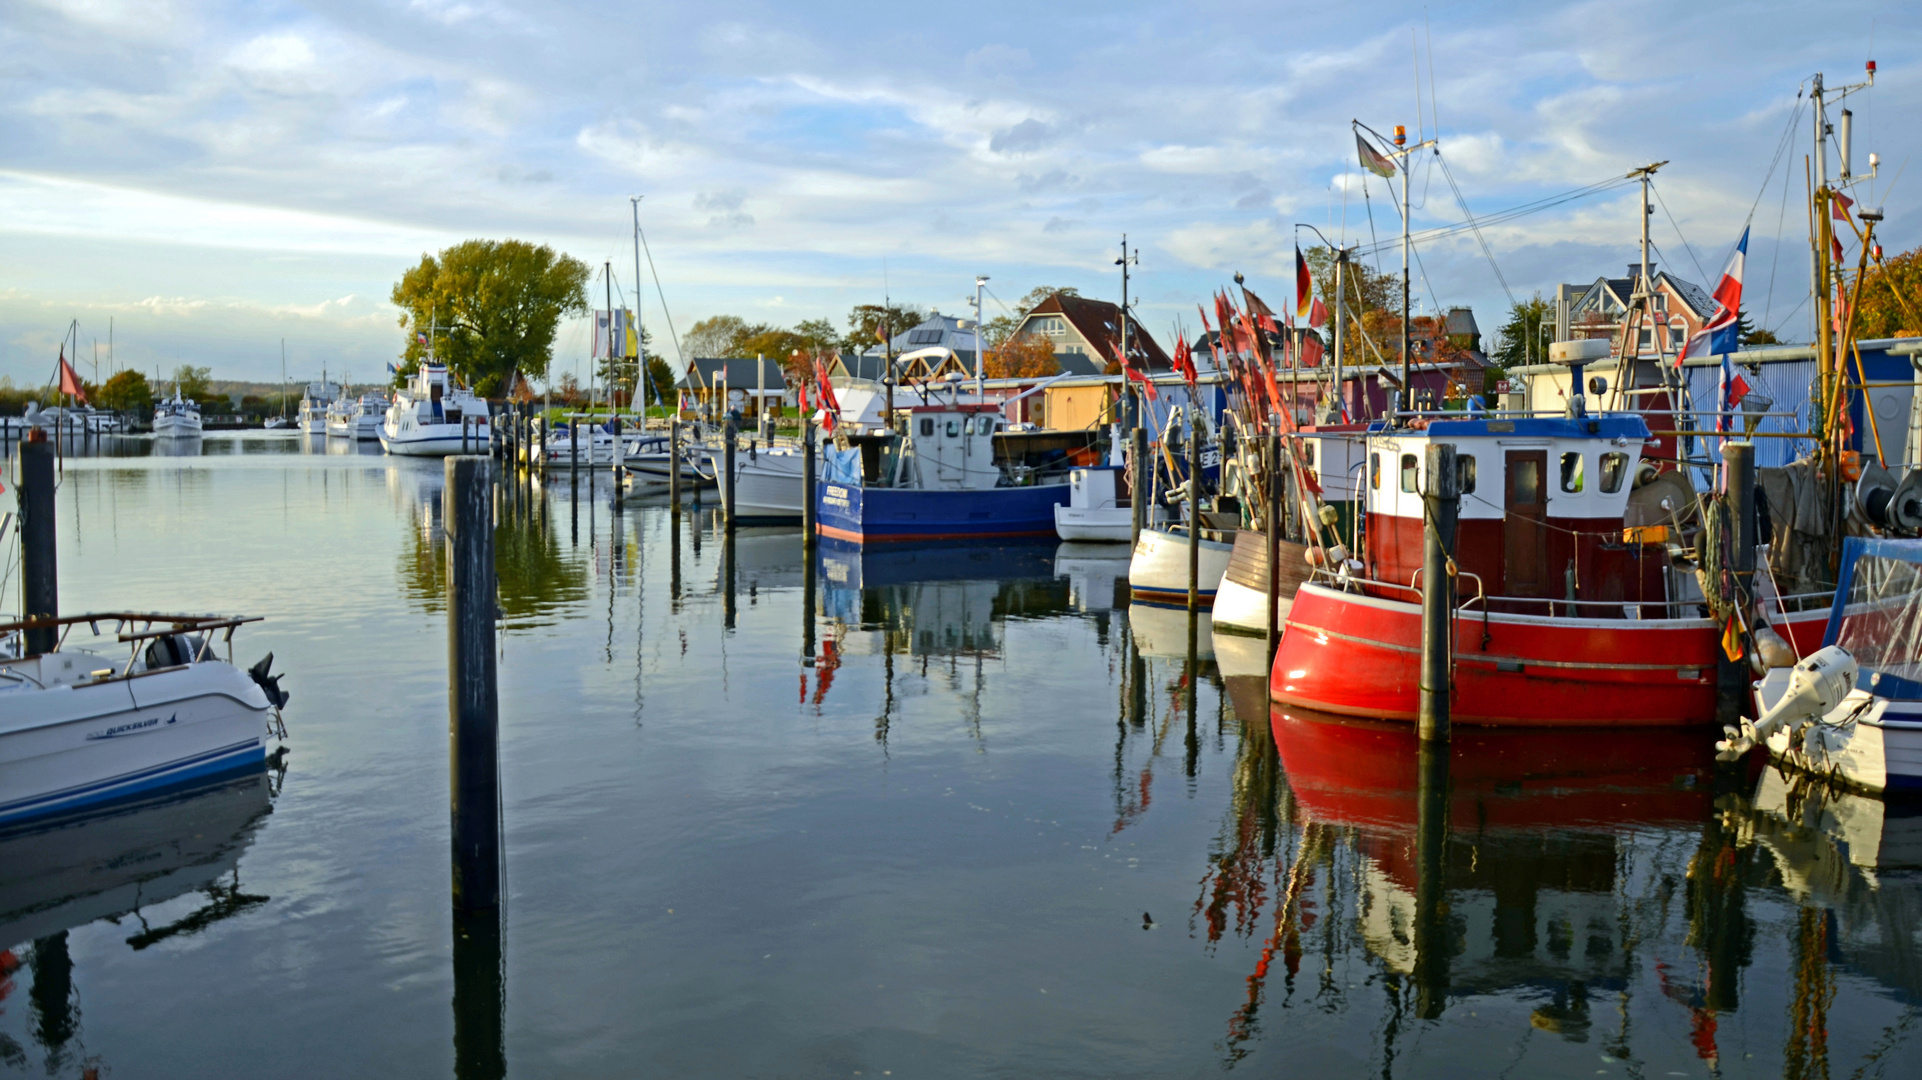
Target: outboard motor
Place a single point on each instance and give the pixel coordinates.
(269, 684)
(1817, 685)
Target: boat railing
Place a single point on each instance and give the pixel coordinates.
(144, 628)
(1510, 605)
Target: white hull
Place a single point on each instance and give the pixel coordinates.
(1158, 572)
(1239, 655)
(655, 469)
(1159, 631)
(357, 428)
(1105, 525)
(768, 486)
(76, 745)
(1243, 610)
(1875, 747)
(179, 427)
(434, 440)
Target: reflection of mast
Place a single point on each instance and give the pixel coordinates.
(1807, 1052)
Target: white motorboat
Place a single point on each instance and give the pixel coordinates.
(1852, 710)
(358, 419)
(79, 728)
(649, 459)
(434, 416)
(176, 418)
(278, 423)
(597, 445)
(314, 403)
(767, 482)
(1158, 570)
(1096, 512)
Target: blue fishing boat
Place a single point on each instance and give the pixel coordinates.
(935, 477)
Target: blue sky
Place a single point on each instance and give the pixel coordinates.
(213, 177)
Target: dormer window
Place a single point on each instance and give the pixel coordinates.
(1661, 301)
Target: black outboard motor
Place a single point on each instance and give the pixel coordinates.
(269, 684)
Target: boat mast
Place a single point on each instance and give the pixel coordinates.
(1403, 154)
(641, 380)
(980, 358)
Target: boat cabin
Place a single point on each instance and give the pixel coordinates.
(431, 396)
(950, 447)
(1543, 505)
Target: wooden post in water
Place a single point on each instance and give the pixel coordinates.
(1273, 538)
(473, 730)
(1443, 499)
(1738, 482)
(573, 450)
(808, 491)
(480, 997)
(674, 465)
(727, 477)
(1194, 512)
(39, 572)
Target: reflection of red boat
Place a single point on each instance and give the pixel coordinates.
(1364, 773)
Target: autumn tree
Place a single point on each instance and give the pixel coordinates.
(1372, 304)
(717, 335)
(1023, 357)
(192, 382)
(491, 306)
(1891, 304)
(866, 321)
(127, 391)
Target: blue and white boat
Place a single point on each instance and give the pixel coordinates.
(935, 478)
(434, 416)
(1852, 711)
(80, 729)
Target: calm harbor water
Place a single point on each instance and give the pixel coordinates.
(956, 812)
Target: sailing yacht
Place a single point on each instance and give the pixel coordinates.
(176, 417)
(434, 416)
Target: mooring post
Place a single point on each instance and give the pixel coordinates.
(473, 730)
(480, 997)
(1272, 554)
(727, 476)
(573, 450)
(1738, 482)
(674, 465)
(1138, 484)
(1432, 935)
(1443, 499)
(39, 573)
(807, 485)
(1194, 512)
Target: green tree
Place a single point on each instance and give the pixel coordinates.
(1751, 334)
(1525, 337)
(192, 382)
(661, 374)
(621, 373)
(492, 307)
(866, 321)
(1891, 303)
(127, 391)
(717, 336)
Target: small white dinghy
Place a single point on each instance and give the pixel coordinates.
(1096, 512)
(79, 728)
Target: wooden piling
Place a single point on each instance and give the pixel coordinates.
(39, 569)
(727, 478)
(1194, 513)
(473, 696)
(1432, 931)
(674, 464)
(808, 482)
(1443, 499)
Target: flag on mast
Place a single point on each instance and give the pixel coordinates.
(70, 379)
(1304, 285)
(1721, 332)
(1372, 159)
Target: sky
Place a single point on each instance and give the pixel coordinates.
(204, 180)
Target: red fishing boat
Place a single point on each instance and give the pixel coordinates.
(1572, 606)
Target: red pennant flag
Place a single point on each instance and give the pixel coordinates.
(1147, 387)
(1318, 314)
(1311, 350)
(1839, 206)
(828, 400)
(1185, 360)
(70, 379)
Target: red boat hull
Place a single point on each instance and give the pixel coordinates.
(1360, 656)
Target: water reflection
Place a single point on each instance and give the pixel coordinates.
(539, 577)
(127, 866)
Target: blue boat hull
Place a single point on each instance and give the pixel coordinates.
(866, 515)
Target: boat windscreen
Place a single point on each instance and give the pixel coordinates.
(1880, 624)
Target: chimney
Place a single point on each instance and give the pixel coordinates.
(1635, 269)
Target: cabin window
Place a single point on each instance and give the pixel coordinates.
(1465, 472)
(927, 427)
(954, 429)
(1614, 467)
(1308, 453)
(1572, 473)
(984, 425)
(1409, 472)
(1374, 471)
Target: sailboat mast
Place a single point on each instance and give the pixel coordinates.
(641, 380)
(1401, 140)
